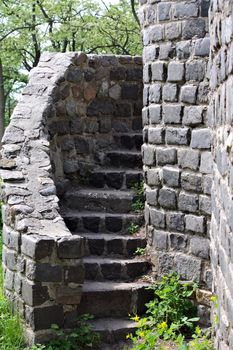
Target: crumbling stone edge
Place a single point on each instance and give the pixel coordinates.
(42, 261)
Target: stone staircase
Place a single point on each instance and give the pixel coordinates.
(101, 212)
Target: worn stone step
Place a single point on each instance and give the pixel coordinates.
(87, 221)
(105, 244)
(112, 330)
(129, 140)
(102, 268)
(105, 200)
(102, 299)
(115, 178)
(123, 159)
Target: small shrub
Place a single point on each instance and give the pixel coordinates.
(140, 251)
(139, 201)
(133, 228)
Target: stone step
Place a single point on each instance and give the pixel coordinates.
(100, 222)
(129, 141)
(124, 159)
(115, 178)
(102, 268)
(112, 330)
(105, 244)
(104, 200)
(102, 299)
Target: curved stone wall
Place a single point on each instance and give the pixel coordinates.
(176, 152)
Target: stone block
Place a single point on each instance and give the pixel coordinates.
(75, 273)
(40, 318)
(156, 135)
(202, 47)
(170, 92)
(155, 114)
(44, 272)
(178, 241)
(207, 184)
(158, 71)
(164, 9)
(172, 30)
(175, 71)
(165, 51)
(206, 163)
(188, 202)
(148, 154)
(167, 198)
(201, 138)
(171, 176)
(193, 115)
(188, 159)
(153, 178)
(37, 247)
(188, 94)
(134, 74)
(177, 136)
(70, 247)
(194, 27)
(152, 196)
(69, 295)
(34, 294)
(200, 247)
(185, 9)
(172, 114)
(166, 156)
(195, 224)
(183, 49)
(155, 93)
(160, 240)
(205, 205)
(175, 221)
(191, 182)
(157, 218)
(195, 70)
(188, 267)
(155, 33)
(146, 73)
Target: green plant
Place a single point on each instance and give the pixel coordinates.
(133, 228)
(140, 251)
(200, 341)
(139, 200)
(169, 314)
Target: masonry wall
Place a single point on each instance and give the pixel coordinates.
(220, 120)
(176, 152)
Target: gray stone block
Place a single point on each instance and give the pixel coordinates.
(185, 9)
(153, 178)
(45, 272)
(188, 267)
(175, 221)
(175, 71)
(195, 224)
(188, 202)
(195, 70)
(152, 196)
(173, 30)
(157, 218)
(170, 92)
(166, 156)
(156, 135)
(191, 182)
(165, 51)
(167, 198)
(148, 154)
(202, 47)
(164, 9)
(155, 93)
(205, 205)
(160, 240)
(158, 71)
(206, 163)
(155, 114)
(34, 294)
(194, 27)
(37, 247)
(188, 159)
(200, 247)
(201, 138)
(155, 33)
(146, 73)
(193, 115)
(70, 247)
(183, 49)
(177, 136)
(172, 114)
(171, 176)
(188, 94)
(207, 184)
(178, 241)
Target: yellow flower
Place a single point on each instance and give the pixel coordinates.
(136, 318)
(129, 335)
(162, 326)
(141, 334)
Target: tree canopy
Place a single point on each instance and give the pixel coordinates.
(29, 27)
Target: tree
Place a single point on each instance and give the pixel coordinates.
(32, 26)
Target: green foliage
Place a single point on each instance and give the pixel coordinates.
(139, 201)
(200, 341)
(170, 313)
(140, 251)
(133, 228)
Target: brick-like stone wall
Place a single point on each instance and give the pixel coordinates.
(99, 106)
(67, 116)
(220, 120)
(176, 152)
